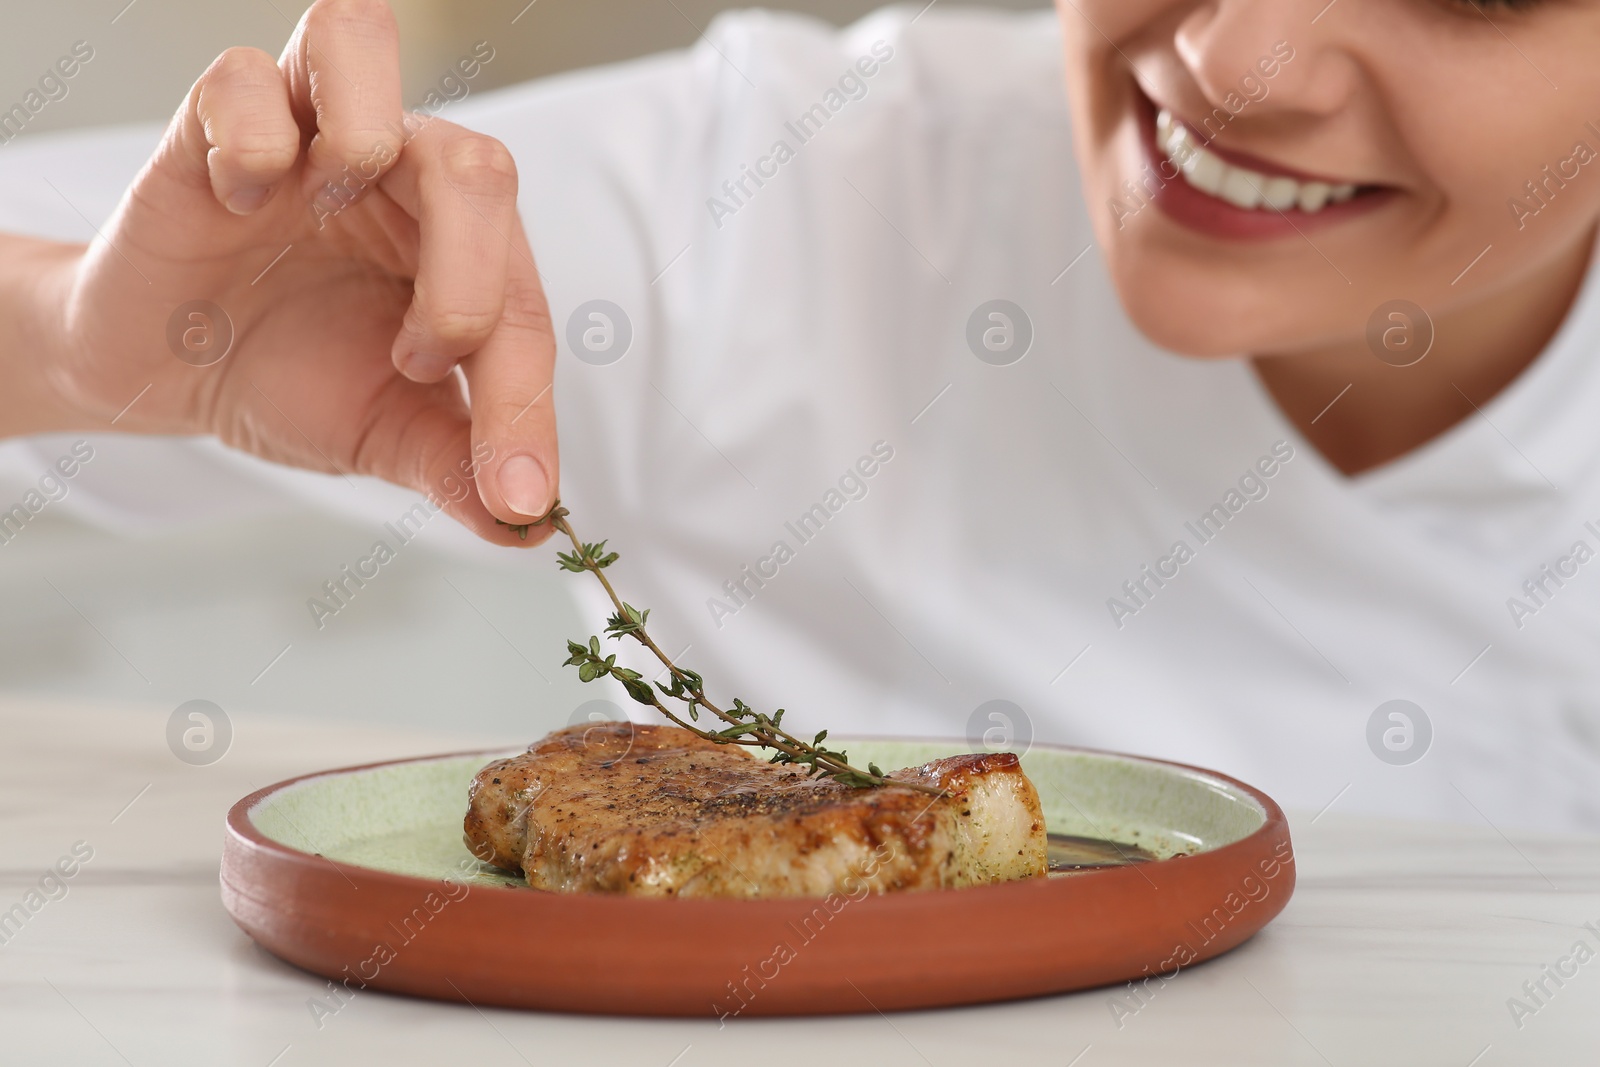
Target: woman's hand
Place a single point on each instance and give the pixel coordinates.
(358, 254)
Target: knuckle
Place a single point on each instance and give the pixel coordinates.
(481, 162)
(260, 141)
(459, 324)
(524, 417)
(241, 62)
(262, 151)
(367, 152)
(526, 308)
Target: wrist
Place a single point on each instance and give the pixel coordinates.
(35, 280)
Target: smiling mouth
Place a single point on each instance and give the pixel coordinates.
(1244, 188)
(1230, 195)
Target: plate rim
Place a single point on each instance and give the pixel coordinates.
(241, 827)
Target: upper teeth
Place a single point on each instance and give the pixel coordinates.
(1240, 186)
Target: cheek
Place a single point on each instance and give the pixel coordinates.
(1528, 175)
(1514, 170)
(1090, 22)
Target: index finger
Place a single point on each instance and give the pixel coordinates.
(510, 380)
(478, 298)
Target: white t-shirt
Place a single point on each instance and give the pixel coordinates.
(825, 492)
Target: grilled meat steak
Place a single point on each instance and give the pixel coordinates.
(657, 811)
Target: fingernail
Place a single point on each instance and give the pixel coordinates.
(524, 485)
(426, 366)
(246, 200)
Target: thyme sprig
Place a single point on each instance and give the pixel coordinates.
(741, 725)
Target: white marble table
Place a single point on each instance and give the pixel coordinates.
(1402, 945)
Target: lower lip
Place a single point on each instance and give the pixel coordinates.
(1214, 217)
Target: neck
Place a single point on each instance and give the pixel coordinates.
(1388, 411)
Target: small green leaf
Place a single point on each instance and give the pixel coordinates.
(640, 691)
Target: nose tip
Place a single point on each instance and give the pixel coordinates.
(1252, 53)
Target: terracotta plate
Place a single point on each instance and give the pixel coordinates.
(360, 875)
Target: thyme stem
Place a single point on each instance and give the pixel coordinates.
(745, 725)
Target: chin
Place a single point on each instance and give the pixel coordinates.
(1191, 312)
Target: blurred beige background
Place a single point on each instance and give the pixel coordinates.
(149, 52)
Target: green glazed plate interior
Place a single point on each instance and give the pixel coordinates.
(405, 818)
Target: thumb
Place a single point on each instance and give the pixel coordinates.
(421, 438)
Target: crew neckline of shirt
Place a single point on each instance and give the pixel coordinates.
(1519, 445)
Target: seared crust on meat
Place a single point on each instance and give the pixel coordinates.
(657, 811)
